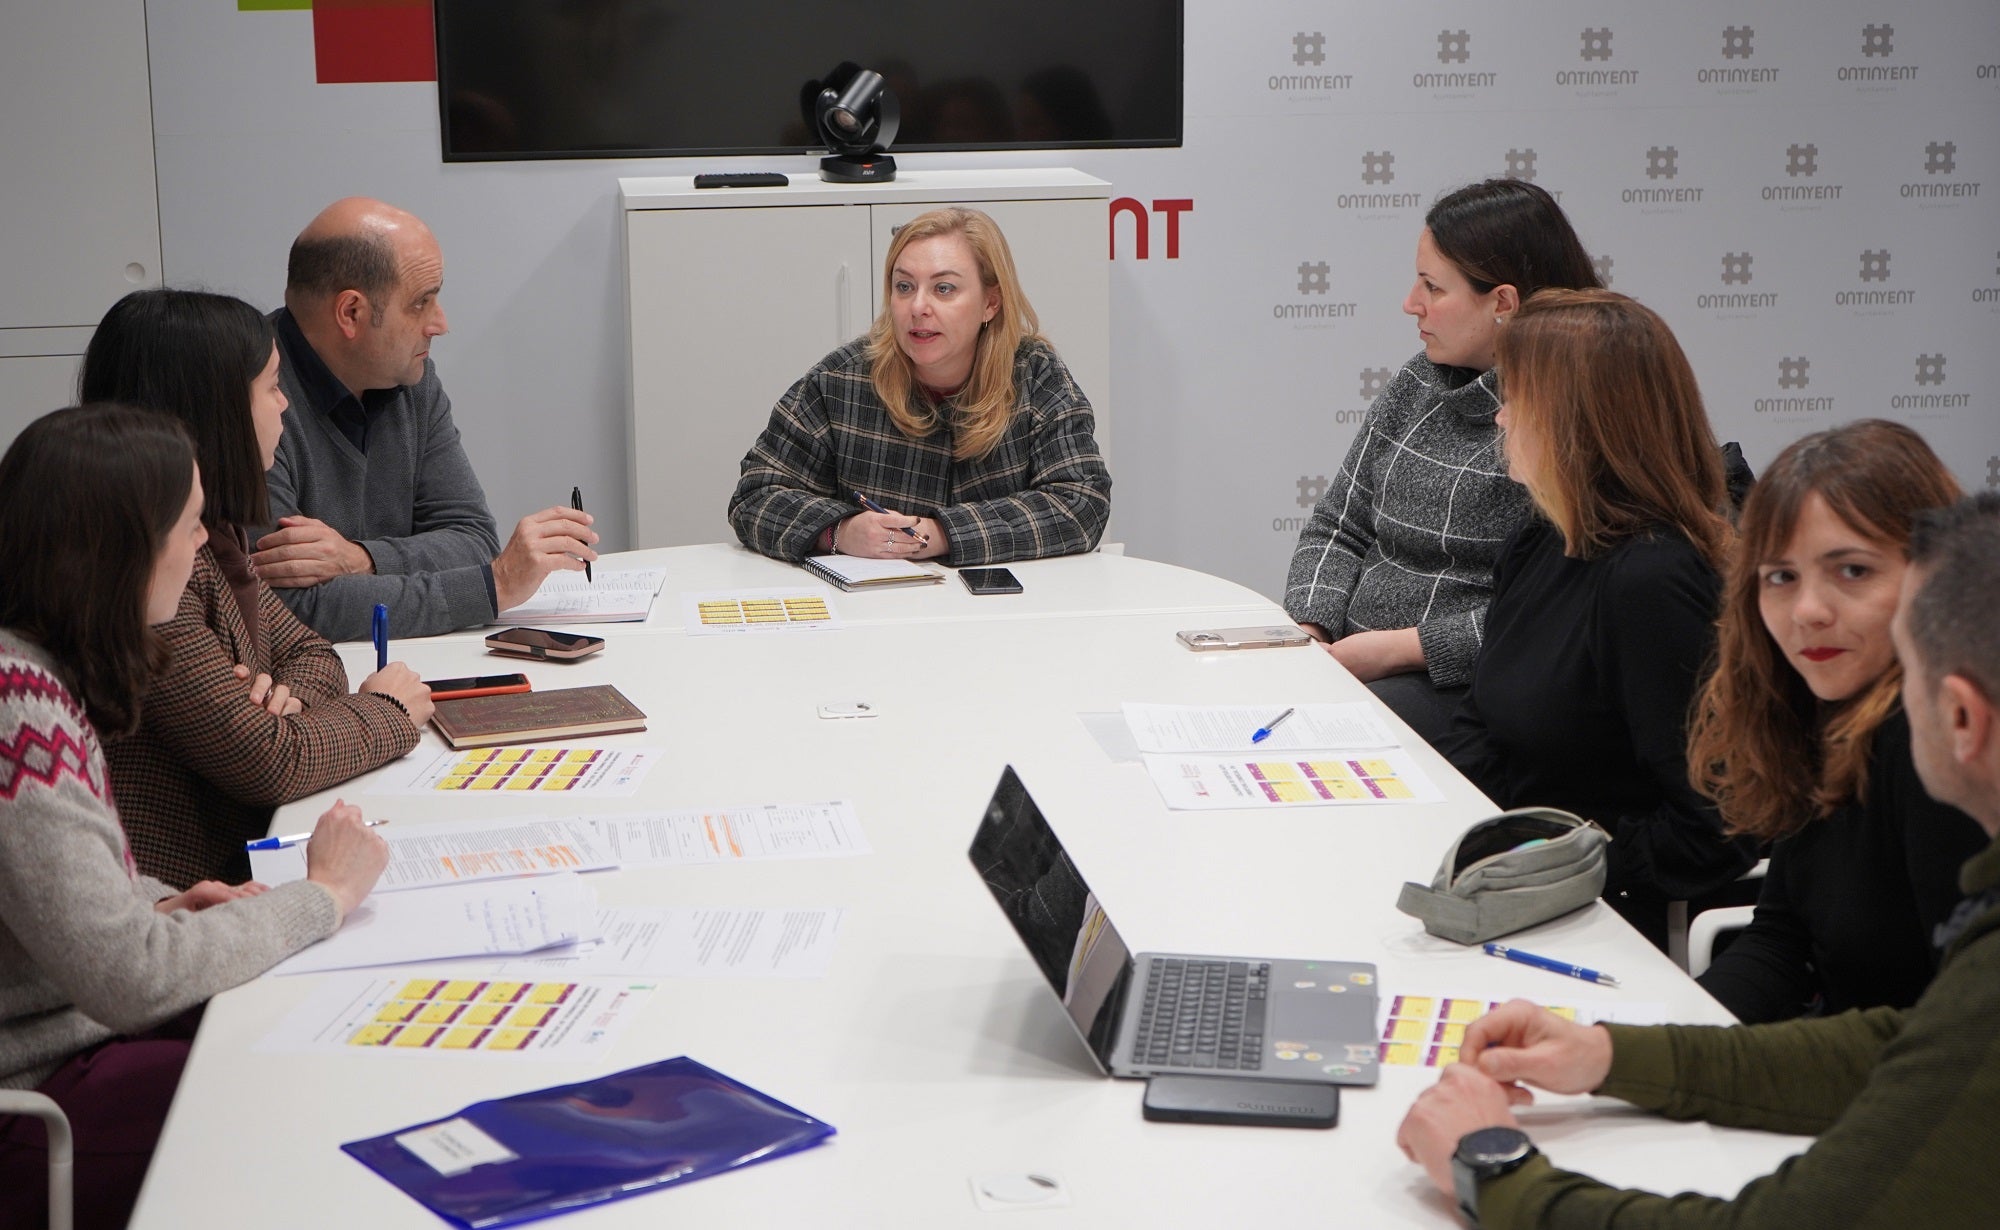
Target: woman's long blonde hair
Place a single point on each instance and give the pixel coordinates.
(985, 406)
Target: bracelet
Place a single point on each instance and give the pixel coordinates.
(392, 700)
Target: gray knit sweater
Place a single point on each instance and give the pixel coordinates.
(84, 956)
(412, 501)
(1408, 532)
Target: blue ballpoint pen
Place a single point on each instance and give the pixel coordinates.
(381, 633)
(1554, 967)
(1264, 731)
(873, 507)
(293, 839)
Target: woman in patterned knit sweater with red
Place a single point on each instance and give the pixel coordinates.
(100, 519)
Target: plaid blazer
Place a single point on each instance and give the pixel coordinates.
(205, 768)
(1042, 491)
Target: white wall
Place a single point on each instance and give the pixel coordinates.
(1228, 402)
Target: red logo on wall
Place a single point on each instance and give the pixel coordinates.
(1170, 208)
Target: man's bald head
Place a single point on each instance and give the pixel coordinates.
(363, 288)
(356, 243)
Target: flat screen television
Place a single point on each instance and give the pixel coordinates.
(668, 78)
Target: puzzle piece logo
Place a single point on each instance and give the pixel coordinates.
(1878, 40)
(1802, 160)
(1940, 157)
(1603, 266)
(1310, 489)
(1736, 42)
(1792, 373)
(1662, 162)
(1735, 268)
(1454, 46)
(1521, 164)
(1930, 369)
(1378, 168)
(1309, 48)
(1875, 265)
(1313, 278)
(1596, 43)
(1373, 381)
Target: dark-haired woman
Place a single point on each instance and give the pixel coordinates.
(1395, 566)
(1604, 604)
(100, 522)
(1800, 736)
(253, 709)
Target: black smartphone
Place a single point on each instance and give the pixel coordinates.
(989, 580)
(538, 643)
(477, 685)
(1245, 1101)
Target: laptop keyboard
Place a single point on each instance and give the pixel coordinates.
(1203, 1014)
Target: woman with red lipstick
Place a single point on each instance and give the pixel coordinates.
(1394, 568)
(1800, 738)
(953, 414)
(1604, 605)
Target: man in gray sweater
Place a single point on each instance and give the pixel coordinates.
(375, 499)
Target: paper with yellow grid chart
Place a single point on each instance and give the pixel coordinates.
(1424, 1031)
(726, 612)
(1291, 779)
(539, 770)
(425, 1012)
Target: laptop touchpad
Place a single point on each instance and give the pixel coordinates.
(1323, 1017)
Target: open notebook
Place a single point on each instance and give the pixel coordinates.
(850, 573)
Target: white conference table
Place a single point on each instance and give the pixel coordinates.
(933, 1045)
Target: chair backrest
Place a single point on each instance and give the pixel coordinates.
(62, 1151)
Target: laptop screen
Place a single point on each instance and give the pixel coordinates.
(1067, 933)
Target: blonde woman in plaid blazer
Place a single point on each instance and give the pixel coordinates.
(253, 709)
(953, 414)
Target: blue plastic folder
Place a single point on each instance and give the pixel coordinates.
(516, 1159)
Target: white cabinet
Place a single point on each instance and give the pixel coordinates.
(76, 189)
(734, 293)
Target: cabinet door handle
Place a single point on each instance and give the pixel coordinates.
(841, 320)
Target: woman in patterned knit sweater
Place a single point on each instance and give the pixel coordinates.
(253, 709)
(1394, 568)
(100, 519)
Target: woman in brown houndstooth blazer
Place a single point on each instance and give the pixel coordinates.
(253, 710)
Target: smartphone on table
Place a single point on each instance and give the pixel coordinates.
(1264, 636)
(477, 685)
(543, 645)
(989, 580)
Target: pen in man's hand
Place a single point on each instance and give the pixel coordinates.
(576, 502)
(380, 629)
(293, 839)
(873, 507)
(1264, 731)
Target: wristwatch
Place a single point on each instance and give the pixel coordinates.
(1486, 1154)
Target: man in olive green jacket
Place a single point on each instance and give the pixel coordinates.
(1906, 1103)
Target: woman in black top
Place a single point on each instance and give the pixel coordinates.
(1602, 606)
(1800, 738)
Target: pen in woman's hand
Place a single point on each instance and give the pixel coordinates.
(910, 529)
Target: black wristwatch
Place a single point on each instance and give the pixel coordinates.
(1486, 1154)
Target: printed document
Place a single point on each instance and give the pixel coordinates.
(453, 852)
(491, 918)
(1228, 728)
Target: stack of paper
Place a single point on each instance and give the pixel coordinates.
(1207, 756)
(492, 918)
(614, 597)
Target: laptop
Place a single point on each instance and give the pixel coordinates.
(1152, 1013)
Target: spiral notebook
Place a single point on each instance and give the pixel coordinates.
(851, 573)
(533, 1155)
